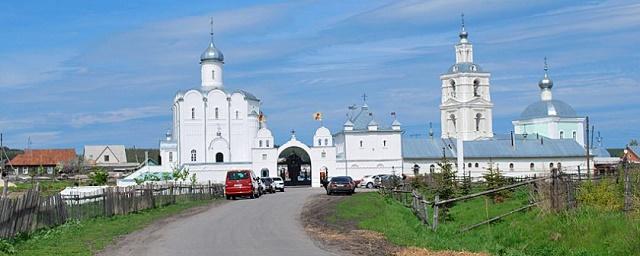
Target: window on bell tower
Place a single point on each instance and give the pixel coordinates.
(213, 74)
(453, 88)
(476, 84)
(478, 119)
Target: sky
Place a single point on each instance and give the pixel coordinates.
(75, 73)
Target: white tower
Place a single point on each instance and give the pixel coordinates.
(211, 62)
(466, 108)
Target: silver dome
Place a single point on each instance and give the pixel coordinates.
(548, 108)
(212, 54)
(545, 82)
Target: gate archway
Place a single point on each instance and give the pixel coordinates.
(294, 166)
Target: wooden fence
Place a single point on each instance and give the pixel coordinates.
(31, 211)
(560, 193)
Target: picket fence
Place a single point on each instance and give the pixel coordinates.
(31, 211)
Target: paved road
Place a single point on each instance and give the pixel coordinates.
(266, 226)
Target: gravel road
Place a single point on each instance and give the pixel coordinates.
(269, 225)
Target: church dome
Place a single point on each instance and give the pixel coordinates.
(545, 82)
(322, 132)
(548, 108)
(212, 54)
(465, 67)
(264, 133)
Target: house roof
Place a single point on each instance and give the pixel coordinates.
(37, 157)
(498, 147)
(95, 152)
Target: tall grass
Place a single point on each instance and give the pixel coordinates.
(586, 231)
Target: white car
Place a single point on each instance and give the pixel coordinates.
(369, 181)
(278, 183)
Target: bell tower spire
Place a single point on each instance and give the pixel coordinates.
(211, 62)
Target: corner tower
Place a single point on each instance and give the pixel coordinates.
(466, 107)
(211, 62)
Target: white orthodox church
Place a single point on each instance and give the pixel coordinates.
(216, 130)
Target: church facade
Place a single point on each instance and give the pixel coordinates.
(215, 130)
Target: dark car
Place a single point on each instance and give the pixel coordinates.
(268, 184)
(387, 180)
(341, 184)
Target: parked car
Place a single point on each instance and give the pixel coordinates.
(241, 183)
(387, 180)
(261, 186)
(368, 181)
(268, 184)
(278, 183)
(341, 184)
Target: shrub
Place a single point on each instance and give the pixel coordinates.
(495, 180)
(99, 177)
(603, 195)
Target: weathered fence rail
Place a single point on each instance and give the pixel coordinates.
(31, 211)
(560, 193)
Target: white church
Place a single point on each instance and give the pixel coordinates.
(215, 130)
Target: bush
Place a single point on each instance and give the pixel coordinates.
(603, 195)
(495, 180)
(99, 177)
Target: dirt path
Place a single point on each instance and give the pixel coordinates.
(344, 237)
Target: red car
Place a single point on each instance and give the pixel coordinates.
(241, 183)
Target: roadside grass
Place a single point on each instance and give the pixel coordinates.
(88, 237)
(579, 232)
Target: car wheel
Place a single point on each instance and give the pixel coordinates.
(228, 197)
(328, 192)
(370, 185)
(233, 197)
(282, 190)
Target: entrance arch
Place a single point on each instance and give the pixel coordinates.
(294, 166)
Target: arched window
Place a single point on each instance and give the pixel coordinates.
(219, 157)
(319, 142)
(575, 135)
(326, 142)
(453, 121)
(511, 166)
(470, 165)
(478, 119)
(170, 157)
(550, 165)
(559, 165)
(193, 155)
(477, 165)
(476, 86)
(432, 168)
(562, 134)
(237, 114)
(193, 113)
(384, 143)
(360, 143)
(453, 88)
(323, 154)
(260, 144)
(216, 113)
(531, 166)
(213, 74)
(267, 143)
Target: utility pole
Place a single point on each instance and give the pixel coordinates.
(588, 149)
(5, 176)
(627, 184)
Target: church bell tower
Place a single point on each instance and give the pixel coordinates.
(466, 107)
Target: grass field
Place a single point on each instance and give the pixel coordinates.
(580, 232)
(90, 236)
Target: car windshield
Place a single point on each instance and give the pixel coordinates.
(277, 179)
(266, 180)
(237, 175)
(340, 179)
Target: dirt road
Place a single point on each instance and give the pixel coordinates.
(269, 225)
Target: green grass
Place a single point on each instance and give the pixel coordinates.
(580, 232)
(47, 187)
(90, 236)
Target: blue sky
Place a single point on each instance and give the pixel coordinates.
(105, 72)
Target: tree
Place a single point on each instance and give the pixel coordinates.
(193, 179)
(180, 173)
(99, 177)
(445, 185)
(633, 142)
(495, 180)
